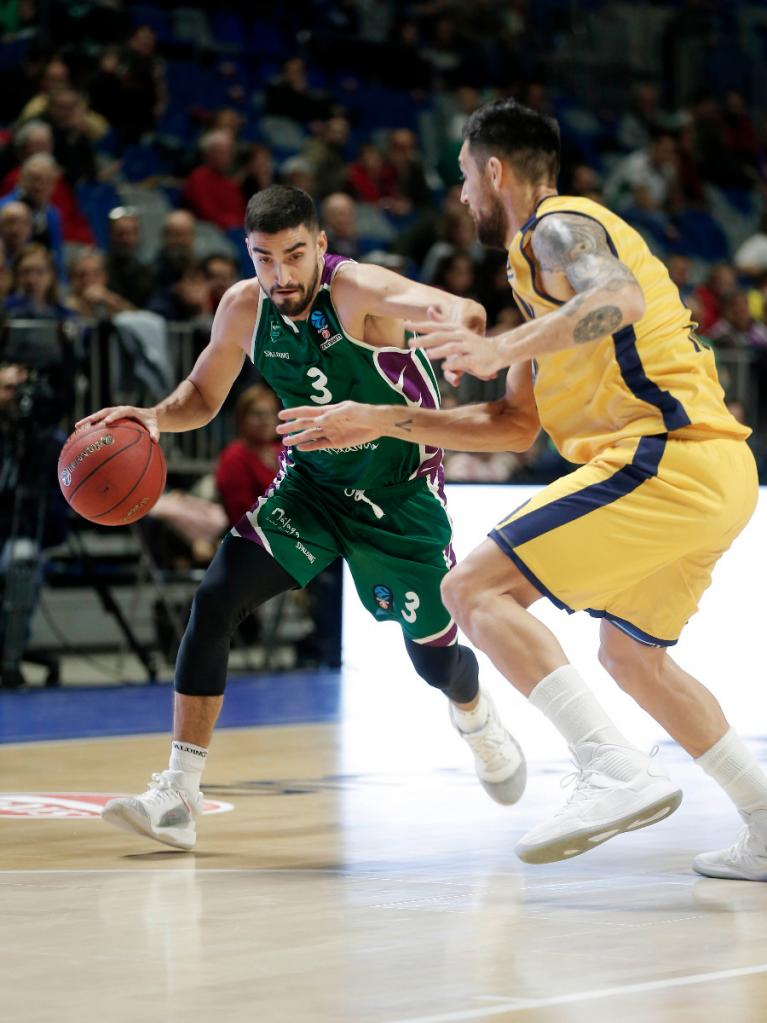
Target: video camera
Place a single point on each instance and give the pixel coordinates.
(45, 351)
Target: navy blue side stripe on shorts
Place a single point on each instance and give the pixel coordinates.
(643, 466)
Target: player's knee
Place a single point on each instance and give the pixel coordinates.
(212, 608)
(459, 589)
(635, 671)
(452, 669)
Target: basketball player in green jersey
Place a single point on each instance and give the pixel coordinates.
(320, 329)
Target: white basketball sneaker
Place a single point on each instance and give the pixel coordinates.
(164, 812)
(616, 790)
(746, 860)
(498, 758)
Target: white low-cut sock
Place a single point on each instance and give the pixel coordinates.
(573, 709)
(732, 765)
(187, 762)
(472, 720)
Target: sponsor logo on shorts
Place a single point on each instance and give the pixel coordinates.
(383, 597)
(101, 442)
(47, 806)
(282, 520)
(309, 555)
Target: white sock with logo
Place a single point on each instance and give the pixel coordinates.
(574, 711)
(187, 762)
(471, 720)
(732, 765)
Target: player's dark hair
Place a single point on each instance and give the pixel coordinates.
(527, 139)
(279, 207)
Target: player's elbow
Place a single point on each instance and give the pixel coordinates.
(634, 304)
(520, 430)
(526, 434)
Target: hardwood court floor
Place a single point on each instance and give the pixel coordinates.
(344, 892)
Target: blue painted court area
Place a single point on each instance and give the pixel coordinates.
(75, 712)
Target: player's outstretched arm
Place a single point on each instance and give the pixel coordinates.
(362, 289)
(197, 399)
(509, 424)
(606, 297)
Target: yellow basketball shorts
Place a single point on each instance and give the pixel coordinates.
(633, 535)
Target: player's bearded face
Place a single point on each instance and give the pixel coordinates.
(484, 205)
(296, 302)
(288, 266)
(490, 218)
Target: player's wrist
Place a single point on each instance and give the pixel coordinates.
(396, 421)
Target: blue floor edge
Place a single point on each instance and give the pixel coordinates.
(77, 712)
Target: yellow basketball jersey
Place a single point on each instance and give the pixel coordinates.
(651, 377)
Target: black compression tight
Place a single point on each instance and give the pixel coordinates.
(240, 578)
(453, 669)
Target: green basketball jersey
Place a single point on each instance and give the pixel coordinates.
(314, 362)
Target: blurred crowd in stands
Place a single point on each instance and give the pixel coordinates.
(133, 135)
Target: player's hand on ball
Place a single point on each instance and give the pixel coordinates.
(313, 427)
(462, 349)
(146, 416)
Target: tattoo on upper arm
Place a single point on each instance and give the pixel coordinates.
(577, 247)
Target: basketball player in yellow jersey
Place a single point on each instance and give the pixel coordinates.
(610, 365)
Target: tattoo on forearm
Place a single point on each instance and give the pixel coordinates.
(405, 424)
(599, 323)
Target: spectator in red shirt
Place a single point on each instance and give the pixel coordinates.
(210, 191)
(248, 465)
(370, 179)
(37, 137)
(718, 286)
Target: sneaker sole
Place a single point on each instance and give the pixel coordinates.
(509, 790)
(565, 847)
(725, 873)
(125, 817)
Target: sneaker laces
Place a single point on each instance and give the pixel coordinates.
(160, 790)
(583, 790)
(581, 779)
(488, 743)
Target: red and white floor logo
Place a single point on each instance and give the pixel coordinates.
(72, 805)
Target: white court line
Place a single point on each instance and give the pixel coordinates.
(522, 1004)
(184, 870)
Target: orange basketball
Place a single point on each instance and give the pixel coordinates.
(112, 475)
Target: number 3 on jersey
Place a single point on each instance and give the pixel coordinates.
(319, 380)
(412, 603)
